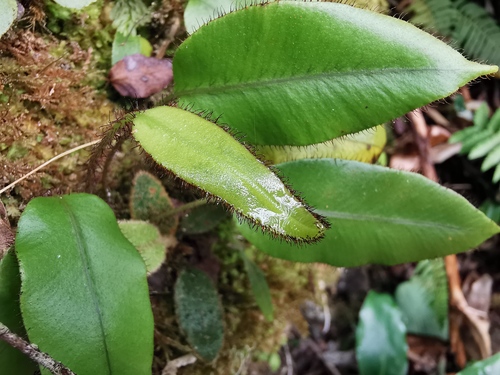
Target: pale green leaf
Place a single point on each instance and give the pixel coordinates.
(74, 4)
(85, 298)
(199, 312)
(147, 239)
(207, 157)
(7, 15)
(300, 73)
(377, 215)
(365, 146)
(381, 337)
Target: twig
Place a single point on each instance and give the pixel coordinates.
(172, 366)
(187, 206)
(43, 359)
(47, 163)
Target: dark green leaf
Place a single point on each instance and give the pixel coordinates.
(381, 337)
(204, 155)
(259, 286)
(149, 201)
(12, 361)
(377, 215)
(299, 73)
(85, 298)
(202, 219)
(490, 366)
(199, 312)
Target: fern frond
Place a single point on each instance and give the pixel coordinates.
(423, 300)
(469, 26)
(482, 140)
(128, 15)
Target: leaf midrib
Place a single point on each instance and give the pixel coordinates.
(83, 252)
(216, 89)
(387, 220)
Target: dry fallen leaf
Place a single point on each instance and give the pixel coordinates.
(138, 76)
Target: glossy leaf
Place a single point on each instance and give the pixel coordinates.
(381, 337)
(85, 299)
(300, 73)
(365, 146)
(423, 300)
(125, 45)
(74, 4)
(377, 215)
(199, 312)
(260, 288)
(7, 15)
(12, 361)
(207, 157)
(489, 366)
(147, 239)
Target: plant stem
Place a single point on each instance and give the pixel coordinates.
(188, 206)
(33, 352)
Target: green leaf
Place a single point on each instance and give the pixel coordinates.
(199, 312)
(423, 300)
(74, 4)
(12, 361)
(202, 219)
(489, 366)
(381, 337)
(482, 116)
(299, 73)
(147, 239)
(260, 288)
(200, 12)
(149, 201)
(491, 160)
(482, 149)
(377, 215)
(85, 298)
(491, 208)
(365, 146)
(125, 45)
(207, 157)
(8, 14)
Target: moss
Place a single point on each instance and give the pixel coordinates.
(46, 108)
(90, 27)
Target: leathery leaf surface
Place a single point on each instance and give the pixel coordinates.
(207, 157)
(377, 215)
(299, 73)
(85, 298)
